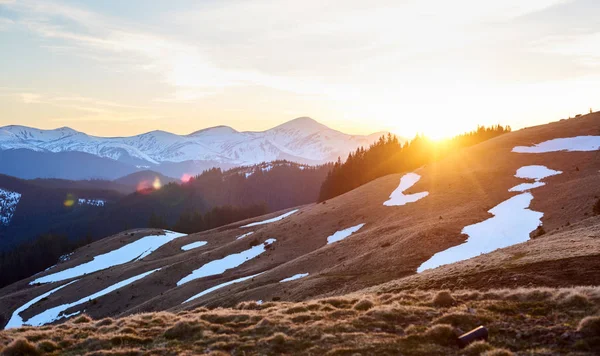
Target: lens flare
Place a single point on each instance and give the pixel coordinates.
(186, 177)
(69, 201)
(156, 184)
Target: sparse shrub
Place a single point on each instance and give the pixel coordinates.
(477, 348)
(441, 334)
(181, 330)
(498, 352)
(20, 347)
(443, 299)
(364, 304)
(590, 326)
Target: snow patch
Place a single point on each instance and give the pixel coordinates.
(244, 235)
(8, 204)
(275, 219)
(294, 277)
(57, 313)
(193, 245)
(532, 172)
(398, 198)
(16, 321)
(511, 224)
(232, 261)
(340, 235)
(571, 144)
(212, 289)
(131, 252)
(92, 202)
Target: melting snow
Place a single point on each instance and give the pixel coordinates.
(532, 172)
(280, 217)
(244, 235)
(16, 321)
(8, 204)
(93, 202)
(398, 198)
(294, 277)
(131, 252)
(579, 143)
(57, 313)
(212, 289)
(511, 224)
(193, 245)
(219, 266)
(340, 235)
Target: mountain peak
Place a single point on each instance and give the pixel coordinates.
(219, 130)
(302, 123)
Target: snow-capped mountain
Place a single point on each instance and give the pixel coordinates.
(8, 204)
(302, 140)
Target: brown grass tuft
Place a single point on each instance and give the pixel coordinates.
(590, 326)
(47, 346)
(180, 331)
(364, 304)
(441, 334)
(477, 348)
(498, 352)
(104, 322)
(461, 320)
(576, 301)
(82, 319)
(443, 299)
(20, 347)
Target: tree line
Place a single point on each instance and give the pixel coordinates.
(196, 221)
(389, 156)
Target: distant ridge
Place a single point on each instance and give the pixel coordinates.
(302, 140)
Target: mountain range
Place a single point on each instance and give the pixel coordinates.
(502, 234)
(70, 154)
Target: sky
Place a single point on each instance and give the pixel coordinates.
(116, 68)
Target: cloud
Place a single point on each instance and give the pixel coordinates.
(581, 47)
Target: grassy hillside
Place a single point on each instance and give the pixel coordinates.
(532, 321)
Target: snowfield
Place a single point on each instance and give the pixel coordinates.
(219, 286)
(193, 245)
(398, 198)
(275, 219)
(8, 204)
(340, 235)
(294, 277)
(133, 251)
(571, 144)
(57, 313)
(92, 202)
(232, 261)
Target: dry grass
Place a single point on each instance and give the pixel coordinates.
(524, 321)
